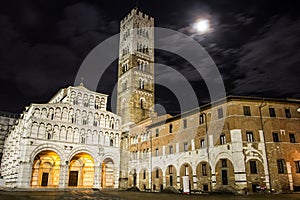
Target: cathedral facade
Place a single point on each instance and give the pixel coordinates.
(239, 144)
(71, 141)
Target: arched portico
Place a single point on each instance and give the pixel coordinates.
(108, 173)
(46, 169)
(81, 171)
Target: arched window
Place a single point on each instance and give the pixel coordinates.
(142, 103)
(142, 84)
(49, 136)
(111, 142)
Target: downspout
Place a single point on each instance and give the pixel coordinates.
(263, 104)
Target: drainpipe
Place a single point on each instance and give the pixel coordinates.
(263, 104)
(207, 147)
(150, 159)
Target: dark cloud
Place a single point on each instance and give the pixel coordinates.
(270, 61)
(39, 68)
(255, 45)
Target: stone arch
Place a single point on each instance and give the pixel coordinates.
(203, 174)
(132, 180)
(81, 170)
(186, 170)
(70, 134)
(51, 113)
(34, 129)
(256, 172)
(36, 112)
(171, 176)
(45, 169)
(64, 115)
(108, 172)
(57, 115)
(144, 179)
(44, 113)
(157, 179)
(224, 171)
(48, 147)
(83, 150)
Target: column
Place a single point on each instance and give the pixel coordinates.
(164, 178)
(63, 176)
(97, 175)
(178, 178)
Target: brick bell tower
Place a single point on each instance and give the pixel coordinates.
(135, 97)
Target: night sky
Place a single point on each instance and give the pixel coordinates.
(255, 45)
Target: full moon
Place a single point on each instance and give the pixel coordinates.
(202, 25)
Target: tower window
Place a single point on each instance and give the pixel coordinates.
(247, 111)
(156, 132)
(201, 119)
(111, 142)
(287, 113)
(184, 123)
(142, 103)
(170, 128)
(272, 112)
(157, 173)
(220, 113)
(49, 136)
(142, 84)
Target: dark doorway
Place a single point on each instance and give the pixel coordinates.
(45, 179)
(171, 180)
(224, 177)
(255, 187)
(296, 188)
(73, 178)
(205, 188)
(134, 179)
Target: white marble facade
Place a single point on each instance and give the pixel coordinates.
(71, 141)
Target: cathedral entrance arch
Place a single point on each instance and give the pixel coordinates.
(108, 173)
(81, 171)
(45, 169)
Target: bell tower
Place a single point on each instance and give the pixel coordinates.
(135, 100)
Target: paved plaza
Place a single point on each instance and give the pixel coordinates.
(123, 195)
